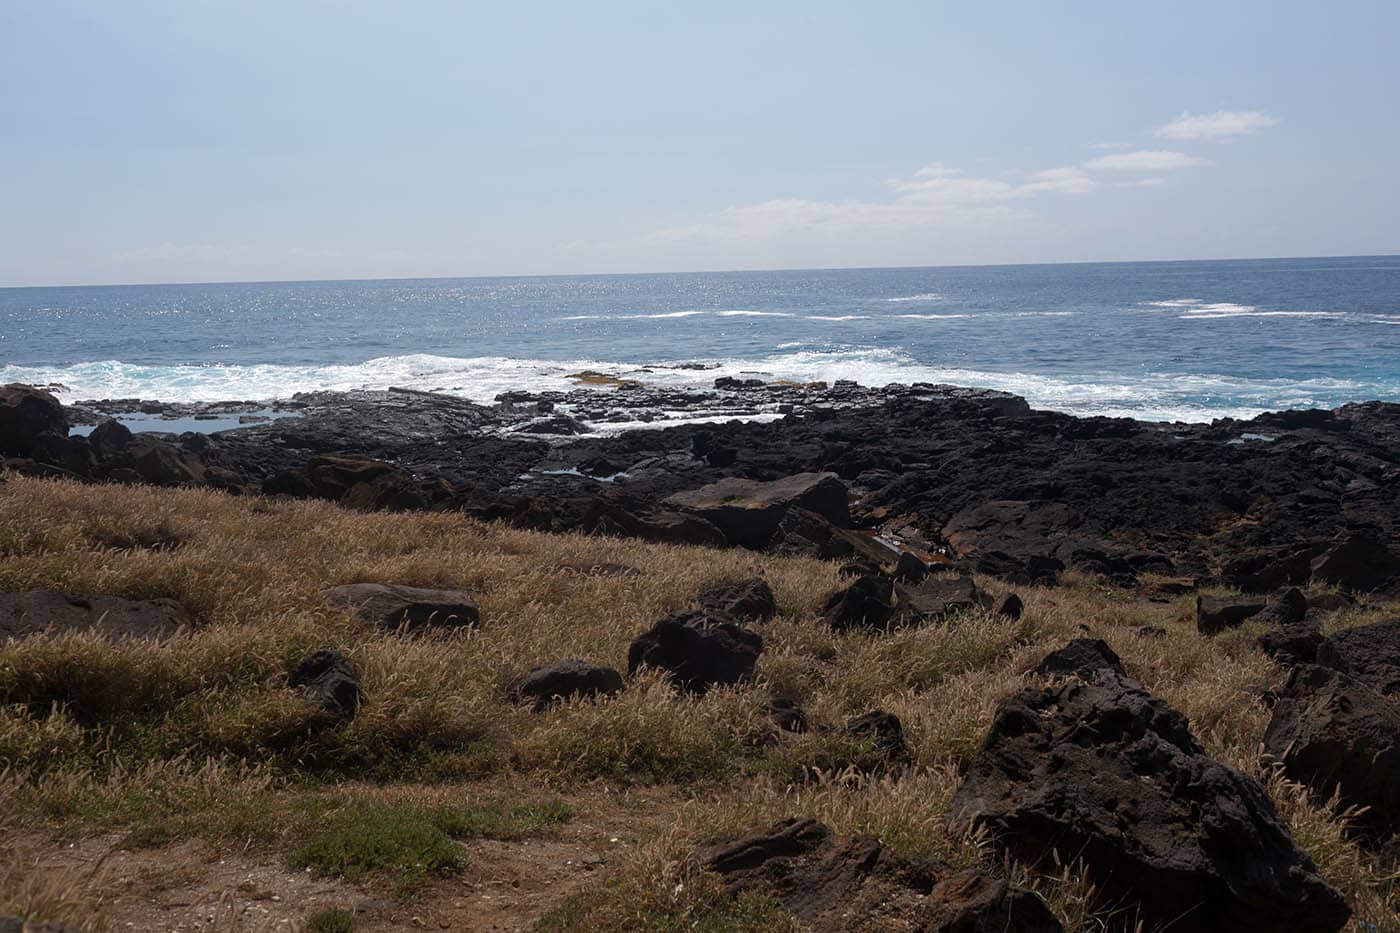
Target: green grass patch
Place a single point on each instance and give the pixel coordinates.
(406, 845)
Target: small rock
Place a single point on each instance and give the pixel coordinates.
(866, 603)
(389, 607)
(565, 679)
(884, 731)
(909, 568)
(786, 715)
(330, 680)
(1214, 614)
(1010, 607)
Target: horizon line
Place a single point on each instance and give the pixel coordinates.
(580, 275)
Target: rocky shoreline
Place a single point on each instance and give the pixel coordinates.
(960, 476)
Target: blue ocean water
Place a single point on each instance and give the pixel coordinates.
(1170, 340)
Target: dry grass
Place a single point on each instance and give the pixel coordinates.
(198, 736)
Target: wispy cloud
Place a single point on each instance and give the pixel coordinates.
(1141, 182)
(1110, 145)
(1144, 160)
(1216, 125)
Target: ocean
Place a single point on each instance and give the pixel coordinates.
(1186, 341)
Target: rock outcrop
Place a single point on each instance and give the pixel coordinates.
(1096, 769)
(1341, 739)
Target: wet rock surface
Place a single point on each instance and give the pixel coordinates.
(857, 884)
(1093, 767)
(970, 476)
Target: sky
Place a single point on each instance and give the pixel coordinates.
(195, 140)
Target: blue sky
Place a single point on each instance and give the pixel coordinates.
(199, 141)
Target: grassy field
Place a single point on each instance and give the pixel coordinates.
(440, 794)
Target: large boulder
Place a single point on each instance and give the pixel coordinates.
(565, 679)
(697, 650)
(1360, 562)
(749, 511)
(329, 680)
(1093, 768)
(1369, 653)
(25, 413)
(390, 607)
(1341, 739)
(47, 612)
(857, 884)
(745, 601)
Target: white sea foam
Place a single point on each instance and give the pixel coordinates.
(931, 317)
(754, 314)
(631, 317)
(838, 317)
(1194, 309)
(926, 296)
(1153, 396)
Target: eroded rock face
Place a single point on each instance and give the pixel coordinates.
(1361, 561)
(749, 511)
(1369, 653)
(1094, 767)
(1340, 737)
(746, 601)
(388, 606)
(939, 597)
(697, 650)
(329, 680)
(564, 679)
(46, 612)
(856, 884)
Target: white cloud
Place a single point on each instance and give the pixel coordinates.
(1216, 125)
(1141, 182)
(1111, 146)
(1145, 160)
(932, 195)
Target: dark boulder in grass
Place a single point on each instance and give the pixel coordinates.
(1341, 739)
(329, 680)
(1093, 768)
(564, 680)
(1292, 644)
(1215, 614)
(1081, 656)
(749, 511)
(697, 650)
(26, 413)
(1010, 607)
(746, 601)
(390, 607)
(868, 603)
(835, 884)
(47, 612)
(884, 732)
(1369, 653)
